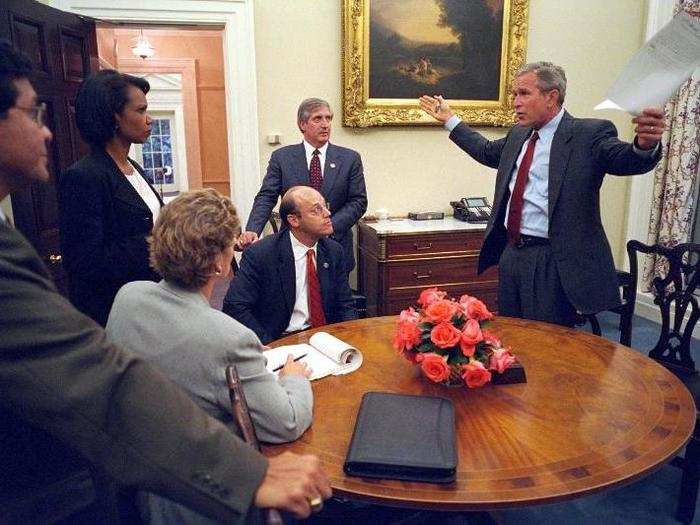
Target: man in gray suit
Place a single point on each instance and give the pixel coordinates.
(545, 232)
(58, 372)
(334, 171)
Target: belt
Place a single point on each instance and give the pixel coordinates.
(531, 240)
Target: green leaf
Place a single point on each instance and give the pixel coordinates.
(424, 347)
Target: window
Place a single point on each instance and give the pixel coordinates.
(158, 154)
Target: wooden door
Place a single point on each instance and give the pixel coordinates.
(63, 48)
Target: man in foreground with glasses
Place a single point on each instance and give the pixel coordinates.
(294, 279)
(58, 372)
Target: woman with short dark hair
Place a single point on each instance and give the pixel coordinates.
(106, 206)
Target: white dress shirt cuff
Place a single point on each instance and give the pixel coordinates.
(646, 153)
(452, 123)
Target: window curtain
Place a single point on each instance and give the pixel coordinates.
(676, 174)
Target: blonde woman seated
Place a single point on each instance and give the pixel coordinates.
(171, 324)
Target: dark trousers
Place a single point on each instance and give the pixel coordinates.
(529, 286)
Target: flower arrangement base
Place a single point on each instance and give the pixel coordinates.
(511, 376)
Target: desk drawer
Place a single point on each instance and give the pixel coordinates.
(434, 272)
(398, 300)
(432, 244)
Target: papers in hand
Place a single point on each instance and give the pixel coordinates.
(326, 355)
(658, 69)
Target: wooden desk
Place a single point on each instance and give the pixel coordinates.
(593, 414)
(398, 258)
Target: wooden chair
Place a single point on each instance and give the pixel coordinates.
(241, 415)
(625, 310)
(675, 294)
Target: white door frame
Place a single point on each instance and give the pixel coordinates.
(239, 70)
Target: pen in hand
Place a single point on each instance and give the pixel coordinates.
(277, 369)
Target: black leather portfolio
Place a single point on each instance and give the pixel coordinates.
(403, 437)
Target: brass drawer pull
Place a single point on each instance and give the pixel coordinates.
(423, 275)
(424, 246)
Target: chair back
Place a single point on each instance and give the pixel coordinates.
(241, 414)
(674, 293)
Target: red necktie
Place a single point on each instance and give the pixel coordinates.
(315, 177)
(316, 315)
(515, 212)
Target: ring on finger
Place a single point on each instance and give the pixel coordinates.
(316, 504)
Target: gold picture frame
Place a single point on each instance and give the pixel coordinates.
(400, 70)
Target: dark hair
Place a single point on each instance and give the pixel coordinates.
(13, 66)
(100, 97)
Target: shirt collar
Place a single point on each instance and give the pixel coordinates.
(3, 219)
(299, 249)
(310, 149)
(547, 131)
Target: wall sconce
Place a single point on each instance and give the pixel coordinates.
(142, 48)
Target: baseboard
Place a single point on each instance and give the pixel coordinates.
(645, 307)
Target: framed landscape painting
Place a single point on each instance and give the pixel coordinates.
(394, 51)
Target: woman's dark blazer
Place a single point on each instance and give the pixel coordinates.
(103, 223)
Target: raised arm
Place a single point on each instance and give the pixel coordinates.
(482, 150)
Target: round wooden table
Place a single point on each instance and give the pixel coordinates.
(592, 415)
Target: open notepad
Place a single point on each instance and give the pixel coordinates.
(325, 355)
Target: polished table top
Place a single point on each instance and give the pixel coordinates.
(593, 414)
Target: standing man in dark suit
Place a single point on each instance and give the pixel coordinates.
(59, 373)
(546, 233)
(334, 171)
(294, 279)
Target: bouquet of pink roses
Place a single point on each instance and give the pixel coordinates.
(448, 340)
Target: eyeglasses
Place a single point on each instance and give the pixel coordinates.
(36, 113)
(319, 209)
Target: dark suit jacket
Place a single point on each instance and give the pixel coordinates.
(104, 224)
(583, 151)
(343, 187)
(58, 373)
(263, 292)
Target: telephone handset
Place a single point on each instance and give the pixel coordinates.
(472, 209)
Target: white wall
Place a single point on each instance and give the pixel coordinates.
(298, 55)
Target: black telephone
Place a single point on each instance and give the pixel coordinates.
(472, 209)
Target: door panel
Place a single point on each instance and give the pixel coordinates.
(63, 47)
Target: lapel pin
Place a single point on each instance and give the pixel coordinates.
(325, 265)
(332, 164)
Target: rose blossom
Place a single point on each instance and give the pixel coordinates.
(471, 332)
(440, 311)
(467, 350)
(409, 316)
(475, 374)
(501, 360)
(407, 335)
(491, 339)
(435, 367)
(429, 296)
(474, 308)
(445, 335)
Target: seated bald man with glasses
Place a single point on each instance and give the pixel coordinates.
(294, 279)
